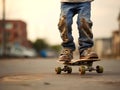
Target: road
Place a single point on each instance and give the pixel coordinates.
(39, 74)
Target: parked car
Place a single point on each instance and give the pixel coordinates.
(22, 51)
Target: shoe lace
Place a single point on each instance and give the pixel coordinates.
(66, 51)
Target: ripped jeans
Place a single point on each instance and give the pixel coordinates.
(68, 11)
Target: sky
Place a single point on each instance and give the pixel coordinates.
(42, 17)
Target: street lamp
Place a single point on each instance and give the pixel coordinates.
(3, 31)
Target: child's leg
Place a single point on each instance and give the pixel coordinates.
(65, 26)
(85, 33)
(65, 29)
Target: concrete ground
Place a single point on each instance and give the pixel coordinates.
(39, 74)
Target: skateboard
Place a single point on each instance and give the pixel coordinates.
(85, 65)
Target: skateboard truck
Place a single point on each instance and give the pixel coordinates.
(65, 69)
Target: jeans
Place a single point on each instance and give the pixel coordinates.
(68, 10)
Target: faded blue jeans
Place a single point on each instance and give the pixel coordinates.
(68, 10)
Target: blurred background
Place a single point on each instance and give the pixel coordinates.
(28, 28)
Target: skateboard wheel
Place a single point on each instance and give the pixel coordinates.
(99, 69)
(69, 70)
(82, 70)
(58, 70)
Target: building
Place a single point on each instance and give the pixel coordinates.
(116, 43)
(15, 32)
(15, 39)
(116, 40)
(103, 47)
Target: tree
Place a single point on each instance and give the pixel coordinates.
(56, 48)
(40, 44)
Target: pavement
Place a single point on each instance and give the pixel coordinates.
(39, 74)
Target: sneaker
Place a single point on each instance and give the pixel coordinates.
(88, 54)
(66, 55)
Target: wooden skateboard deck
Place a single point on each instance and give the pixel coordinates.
(79, 61)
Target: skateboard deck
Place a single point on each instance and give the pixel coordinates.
(85, 65)
(79, 61)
